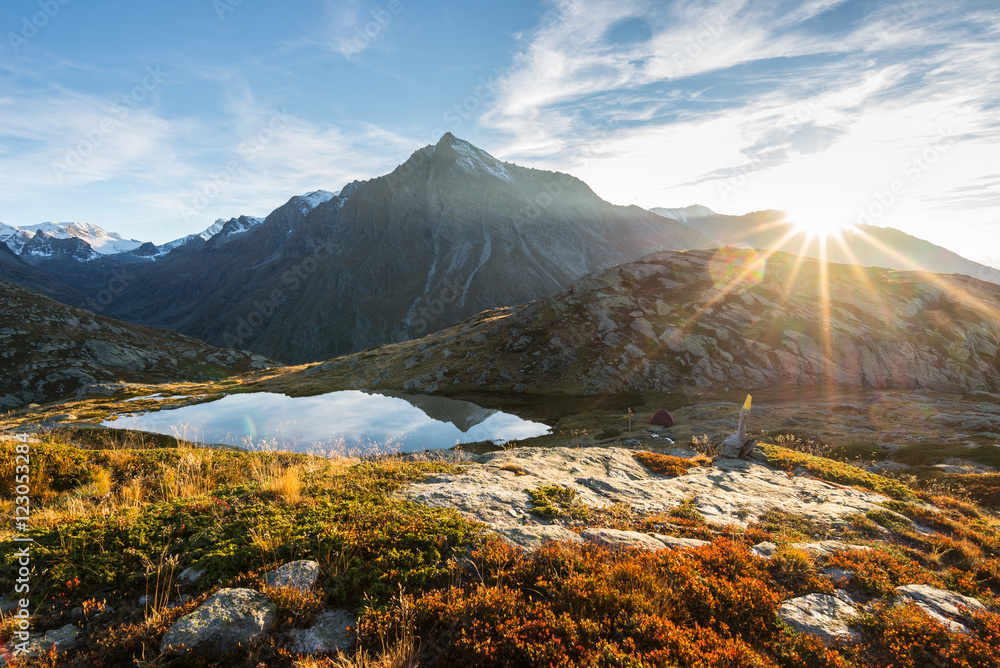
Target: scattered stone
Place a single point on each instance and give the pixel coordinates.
(332, 630)
(230, 617)
(190, 575)
(63, 639)
(942, 605)
(765, 550)
(840, 576)
(821, 614)
(618, 539)
(301, 575)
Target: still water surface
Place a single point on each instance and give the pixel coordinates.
(351, 420)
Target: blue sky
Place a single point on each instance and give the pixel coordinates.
(153, 119)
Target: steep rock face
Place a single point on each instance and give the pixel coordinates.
(48, 351)
(447, 234)
(714, 319)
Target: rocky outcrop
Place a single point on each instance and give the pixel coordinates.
(725, 319)
(49, 351)
(492, 489)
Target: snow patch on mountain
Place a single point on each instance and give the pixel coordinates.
(686, 214)
(101, 241)
(478, 162)
(317, 197)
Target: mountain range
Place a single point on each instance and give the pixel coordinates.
(451, 232)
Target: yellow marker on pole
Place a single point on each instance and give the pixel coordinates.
(746, 404)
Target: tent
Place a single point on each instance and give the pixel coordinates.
(662, 417)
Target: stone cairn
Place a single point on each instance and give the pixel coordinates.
(739, 445)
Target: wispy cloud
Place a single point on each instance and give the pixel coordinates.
(743, 105)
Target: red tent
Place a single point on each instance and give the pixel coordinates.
(662, 417)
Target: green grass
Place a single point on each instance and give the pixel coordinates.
(553, 501)
(833, 471)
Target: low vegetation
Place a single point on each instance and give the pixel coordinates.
(114, 523)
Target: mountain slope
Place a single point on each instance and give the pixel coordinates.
(50, 350)
(16, 270)
(710, 319)
(866, 245)
(447, 234)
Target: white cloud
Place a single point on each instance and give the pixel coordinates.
(813, 120)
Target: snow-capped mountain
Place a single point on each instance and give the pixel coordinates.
(100, 240)
(232, 226)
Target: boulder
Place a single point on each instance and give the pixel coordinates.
(330, 631)
(301, 575)
(765, 550)
(190, 575)
(62, 639)
(229, 618)
(820, 614)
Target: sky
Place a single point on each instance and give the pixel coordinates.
(152, 119)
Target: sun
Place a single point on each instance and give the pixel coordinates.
(817, 220)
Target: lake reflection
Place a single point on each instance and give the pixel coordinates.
(407, 423)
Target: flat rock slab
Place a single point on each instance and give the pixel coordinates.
(532, 537)
(301, 575)
(492, 490)
(615, 538)
(330, 631)
(827, 548)
(229, 618)
(942, 605)
(820, 614)
(671, 542)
